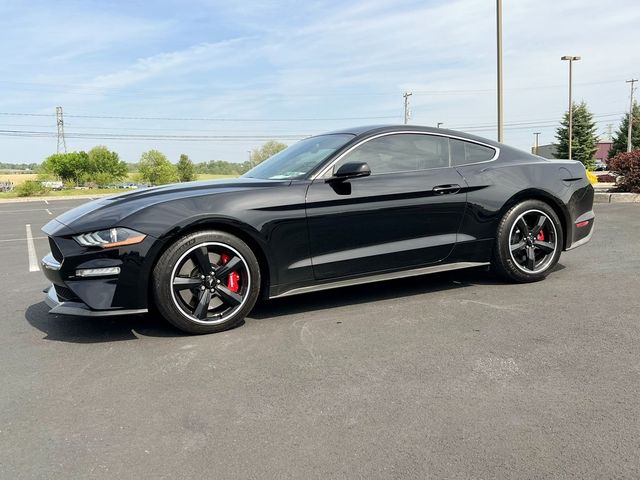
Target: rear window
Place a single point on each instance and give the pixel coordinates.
(463, 152)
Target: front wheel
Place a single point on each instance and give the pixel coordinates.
(206, 282)
(529, 241)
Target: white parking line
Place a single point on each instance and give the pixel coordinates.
(49, 212)
(20, 239)
(31, 249)
(46, 201)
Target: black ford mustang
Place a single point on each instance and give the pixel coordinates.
(348, 207)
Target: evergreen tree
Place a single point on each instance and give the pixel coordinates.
(585, 140)
(621, 136)
(186, 169)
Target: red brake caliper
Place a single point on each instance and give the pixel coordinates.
(233, 278)
(540, 236)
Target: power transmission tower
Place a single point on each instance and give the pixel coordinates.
(632, 82)
(60, 122)
(407, 112)
(610, 132)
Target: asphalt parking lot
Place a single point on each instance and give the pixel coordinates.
(452, 375)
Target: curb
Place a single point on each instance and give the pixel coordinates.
(603, 197)
(53, 199)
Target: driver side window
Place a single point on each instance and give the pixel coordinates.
(402, 152)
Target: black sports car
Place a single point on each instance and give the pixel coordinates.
(348, 207)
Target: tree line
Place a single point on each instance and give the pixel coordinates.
(101, 166)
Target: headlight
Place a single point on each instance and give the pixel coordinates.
(113, 237)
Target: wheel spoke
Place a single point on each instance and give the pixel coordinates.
(227, 268)
(531, 258)
(228, 296)
(524, 228)
(184, 283)
(203, 304)
(546, 247)
(542, 219)
(201, 259)
(516, 247)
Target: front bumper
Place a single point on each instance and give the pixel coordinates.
(78, 308)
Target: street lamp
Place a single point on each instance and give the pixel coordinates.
(440, 123)
(571, 59)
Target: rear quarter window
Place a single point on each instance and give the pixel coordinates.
(463, 152)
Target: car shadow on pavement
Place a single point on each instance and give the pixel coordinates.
(63, 328)
(373, 292)
(72, 329)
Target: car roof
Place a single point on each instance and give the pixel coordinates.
(367, 130)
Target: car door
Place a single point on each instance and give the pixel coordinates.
(405, 214)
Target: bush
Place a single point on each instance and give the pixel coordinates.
(31, 188)
(627, 164)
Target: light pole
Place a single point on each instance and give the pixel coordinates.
(499, 63)
(571, 59)
(250, 162)
(407, 112)
(630, 132)
(439, 123)
(537, 134)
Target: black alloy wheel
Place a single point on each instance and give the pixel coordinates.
(529, 242)
(533, 241)
(210, 282)
(206, 282)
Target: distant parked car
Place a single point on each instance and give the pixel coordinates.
(600, 166)
(52, 184)
(6, 186)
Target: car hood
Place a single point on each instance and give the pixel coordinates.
(112, 211)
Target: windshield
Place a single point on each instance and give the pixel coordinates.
(300, 158)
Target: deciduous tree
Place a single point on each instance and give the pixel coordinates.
(156, 169)
(269, 149)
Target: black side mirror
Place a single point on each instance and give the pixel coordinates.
(351, 170)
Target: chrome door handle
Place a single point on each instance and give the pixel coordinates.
(445, 189)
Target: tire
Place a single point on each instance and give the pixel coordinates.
(192, 282)
(528, 242)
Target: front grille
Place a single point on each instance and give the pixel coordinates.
(65, 294)
(55, 251)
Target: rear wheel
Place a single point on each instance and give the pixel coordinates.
(528, 242)
(206, 282)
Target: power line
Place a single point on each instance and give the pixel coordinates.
(204, 119)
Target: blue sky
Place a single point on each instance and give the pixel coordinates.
(266, 69)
